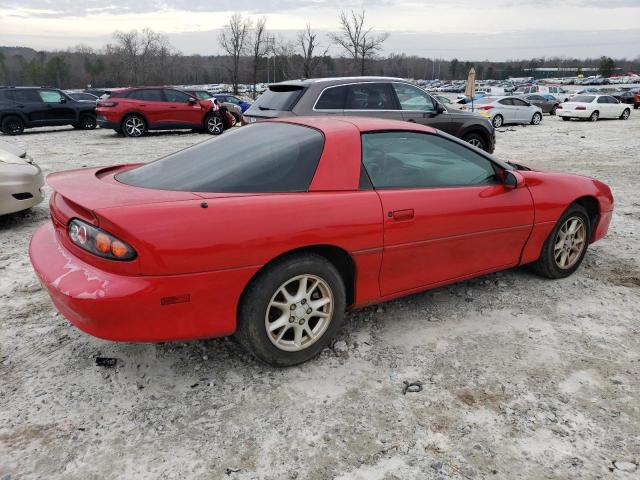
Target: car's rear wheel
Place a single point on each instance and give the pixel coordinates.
(12, 125)
(134, 126)
(213, 124)
(497, 121)
(475, 140)
(625, 114)
(594, 116)
(536, 119)
(554, 109)
(87, 122)
(566, 246)
(291, 310)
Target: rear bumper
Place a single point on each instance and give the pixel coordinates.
(104, 123)
(130, 308)
(20, 187)
(573, 113)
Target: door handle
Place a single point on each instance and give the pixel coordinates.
(406, 214)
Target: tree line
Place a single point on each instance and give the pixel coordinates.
(253, 54)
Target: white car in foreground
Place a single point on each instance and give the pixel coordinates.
(593, 107)
(21, 181)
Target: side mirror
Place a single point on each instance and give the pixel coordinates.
(512, 179)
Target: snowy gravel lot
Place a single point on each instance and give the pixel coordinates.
(523, 378)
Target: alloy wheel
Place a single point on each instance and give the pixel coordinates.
(625, 114)
(475, 142)
(594, 116)
(299, 313)
(214, 125)
(134, 127)
(570, 242)
(537, 118)
(497, 121)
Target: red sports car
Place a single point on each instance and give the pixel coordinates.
(272, 232)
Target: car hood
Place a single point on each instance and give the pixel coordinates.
(8, 157)
(13, 149)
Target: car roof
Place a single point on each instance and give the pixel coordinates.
(305, 82)
(364, 124)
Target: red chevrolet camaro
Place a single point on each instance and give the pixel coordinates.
(273, 231)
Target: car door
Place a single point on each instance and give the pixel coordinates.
(507, 110)
(181, 111)
(447, 214)
(371, 99)
(604, 107)
(615, 107)
(151, 103)
(60, 109)
(28, 102)
(521, 110)
(538, 101)
(418, 106)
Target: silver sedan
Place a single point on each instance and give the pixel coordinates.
(21, 180)
(506, 110)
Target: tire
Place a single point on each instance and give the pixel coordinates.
(566, 119)
(553, 110)
(12, 125)
(536, 119)
(213, 124)
(497, 121)
(87, 122)
(476, 140)
(625, 114)
(236, 119)
(549, 265)
(257, 311)
(134, 126)
(594, 116)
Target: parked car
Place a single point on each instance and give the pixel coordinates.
(507, 110)
(382, 97)
(21, 180)
(558, 92)
(30, 107)
(547, 103)
(226, 98)
(292, 222)
(593, 107)
(232, 108)
(631, 97)
(83, 97)
(134, 111)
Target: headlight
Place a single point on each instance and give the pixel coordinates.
(98, 242)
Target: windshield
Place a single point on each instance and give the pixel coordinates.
(279, 97)
(261, 158)
(583, 99)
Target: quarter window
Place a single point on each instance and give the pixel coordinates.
(412, 98)
(332, 98)
(175, 96)
(420, 160)
(370, 96)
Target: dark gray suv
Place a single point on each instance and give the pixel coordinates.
(383, 97)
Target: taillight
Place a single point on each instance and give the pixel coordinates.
(98, 242)
(486, 107)
(107, 104)
(581, 108)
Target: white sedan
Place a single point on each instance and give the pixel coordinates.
(593, 107)
(505, 110)
(21, 180)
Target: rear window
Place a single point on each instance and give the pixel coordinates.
(583, 98)
(261, 158)
(279, 97)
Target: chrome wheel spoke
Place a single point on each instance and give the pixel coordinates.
(279, 323)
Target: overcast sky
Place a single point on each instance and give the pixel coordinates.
(466, 29)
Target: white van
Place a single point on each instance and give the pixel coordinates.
(558, 92)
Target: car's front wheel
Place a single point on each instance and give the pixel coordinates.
(12, 125)
(291, 310)
(475, 140)
(566, 246)
(625, 114)
(536, 119)
(213, 124)
(497, 121)
(134, 126)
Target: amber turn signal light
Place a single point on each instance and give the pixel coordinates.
(98, 242)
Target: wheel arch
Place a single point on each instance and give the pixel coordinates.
(592, 206)
(474, 129)
(134, 112)
(337, 256)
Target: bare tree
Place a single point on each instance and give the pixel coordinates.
(308, 43)
(261, 45)
(233, 40)
(284, 53)
(357, 40)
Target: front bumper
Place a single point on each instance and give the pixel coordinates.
(130, 308)
(20, 187)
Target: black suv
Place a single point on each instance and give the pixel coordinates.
(28, 107)
(382, 97)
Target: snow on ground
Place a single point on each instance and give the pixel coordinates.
(522, 377)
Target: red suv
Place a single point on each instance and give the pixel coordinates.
(134, 111)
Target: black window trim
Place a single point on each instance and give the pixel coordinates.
(495, 163)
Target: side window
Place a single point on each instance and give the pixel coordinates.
(602, 100)
(519, 103)
(421, 160)
(332, 98)
(175, 96)
(232, 100)
(412, 98)
(370, 96)
(147, 95)
(535, 98)
(23, 95)
(506, 101)
(50, 96)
